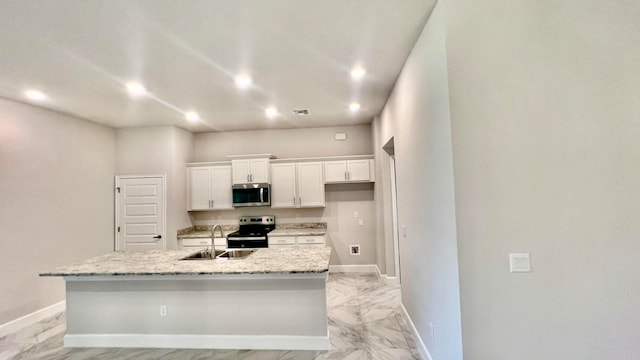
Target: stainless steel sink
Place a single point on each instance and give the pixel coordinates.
(235, 254)
(232, 254)
(204, 255)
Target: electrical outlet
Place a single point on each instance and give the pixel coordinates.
(163, 310)
(355, 214)
(354, 249)
(360, 222)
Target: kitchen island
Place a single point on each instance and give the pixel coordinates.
(273, 299)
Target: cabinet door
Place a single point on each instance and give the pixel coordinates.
(310, 184)
(335, 171)
(283, 185)
(221, 187)
(200, 188)
(241, 170)
(358, 170)
(259, 172)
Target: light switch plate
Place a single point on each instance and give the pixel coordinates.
(520, 262)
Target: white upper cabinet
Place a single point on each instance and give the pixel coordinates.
(209, 188)
(347, 171)
(295, 185)
(248, 171)
(310, 184)
(283, 185)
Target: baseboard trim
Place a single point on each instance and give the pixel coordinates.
(171, 341)
(422, 348)
(369, 268)
(30, 319)
(392, 280)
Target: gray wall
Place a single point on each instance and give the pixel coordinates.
(159, 150)
(284, 144)
(56, 191)
(545, 105)
(341, 200)
(417, 117)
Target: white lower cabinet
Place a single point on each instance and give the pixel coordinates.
(202, 243)
(282, 241)
(310, 240)
(293, 241)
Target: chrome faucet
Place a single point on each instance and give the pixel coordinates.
(213, 238)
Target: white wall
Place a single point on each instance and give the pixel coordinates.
(284, 143)
(545, 105)
(417, 117)
(159, 150)
(56, 191)
(341, 200)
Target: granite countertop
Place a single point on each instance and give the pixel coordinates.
(203, 234)
(309, 259)
(299, 229)
(298, 232)
(204, 231)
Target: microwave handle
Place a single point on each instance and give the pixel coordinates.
(261, 194)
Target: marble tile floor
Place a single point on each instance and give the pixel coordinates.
(365, 323)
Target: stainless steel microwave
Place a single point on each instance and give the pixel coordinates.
(251, 195)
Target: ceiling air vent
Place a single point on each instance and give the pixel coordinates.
(301, 112)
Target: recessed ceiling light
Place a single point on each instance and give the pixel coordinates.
(354, 106)
(358, 73)
(243, 81)
(35, 95)
(135, 88)
(192, 116)
(271, 112)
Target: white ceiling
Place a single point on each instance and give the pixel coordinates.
(188, 52)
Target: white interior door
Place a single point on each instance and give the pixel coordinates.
(140, 213)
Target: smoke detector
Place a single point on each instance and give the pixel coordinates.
(301, 112)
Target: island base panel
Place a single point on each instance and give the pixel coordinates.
(223, 313)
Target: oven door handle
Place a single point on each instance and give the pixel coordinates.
(261, 194)
(240, 238)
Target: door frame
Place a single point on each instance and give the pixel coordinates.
(394, 215)
(116, 190)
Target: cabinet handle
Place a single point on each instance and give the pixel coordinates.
(294, 201)
(251, 177)
(345, 175)
(348, 175)
(300, 201)
(248, 178)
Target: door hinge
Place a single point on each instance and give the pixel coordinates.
(118, 188)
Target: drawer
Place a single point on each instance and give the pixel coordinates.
(196, 242)
(282, 240)
(303, 240)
